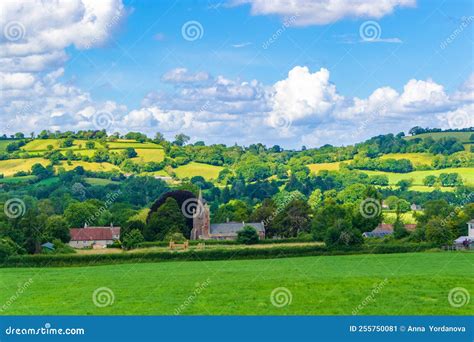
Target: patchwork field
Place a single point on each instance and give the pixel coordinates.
(462, 136)
(197, 169)
(407, 218)
(3, 144)
(315, 168)
(415, 158)
(89, 166)
(11, 166)
(466, 173)
(409, 284)
(149, 155)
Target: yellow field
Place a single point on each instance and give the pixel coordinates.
(41, 144)
(11, 166)
(415, 158)
(149, 155)
(198, 169)
(467, 174)
(315, 168)
(130, 143)
(89, 166)
(407, 218)
(424, 188)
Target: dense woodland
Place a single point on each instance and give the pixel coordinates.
(257, 183)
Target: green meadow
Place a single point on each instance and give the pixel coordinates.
(408, 284)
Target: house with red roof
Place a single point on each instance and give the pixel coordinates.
(96, 237)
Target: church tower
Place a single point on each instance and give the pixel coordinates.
(201, 220)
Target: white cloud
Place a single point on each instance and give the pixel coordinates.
(182, 75)
(321, 12)
(304, 94)
(35, 35)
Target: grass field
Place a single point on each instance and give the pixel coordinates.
(466, 173)
(149, 155)
(415, 158)
(315, 168)
(407, 218)
(462, 136)
(16, 179)
(41, 144)
(3, 144)
(99, 181)
(424, 188)
(89, 166)
(11, 166)
(131, 143)
(198, 169)
(409, 284)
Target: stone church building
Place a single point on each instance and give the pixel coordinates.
(204, 230)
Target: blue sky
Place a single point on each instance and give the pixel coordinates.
(118, 67)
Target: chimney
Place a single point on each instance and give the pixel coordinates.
(85, 225)
(227, 220)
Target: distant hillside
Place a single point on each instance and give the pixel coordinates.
(109, 158)
(463, 137)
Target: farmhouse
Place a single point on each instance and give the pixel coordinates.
(386, 229)
(204, 230)
(96, 237)
(466, 241)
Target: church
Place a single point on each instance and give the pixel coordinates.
(204, 230)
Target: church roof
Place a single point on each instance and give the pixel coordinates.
(234, 227)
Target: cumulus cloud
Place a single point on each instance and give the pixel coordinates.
(32, 53)
(321, 12)
(182, 75)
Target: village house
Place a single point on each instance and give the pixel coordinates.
(384, 229)
(415, 207)
(466, 242)
(204, 230)
(95, 237)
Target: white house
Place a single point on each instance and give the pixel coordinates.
(466, 241)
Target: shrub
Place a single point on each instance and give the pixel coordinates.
(248, 236)
(132, 239)
(342, 236)
(176, 237)
(210, 254)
